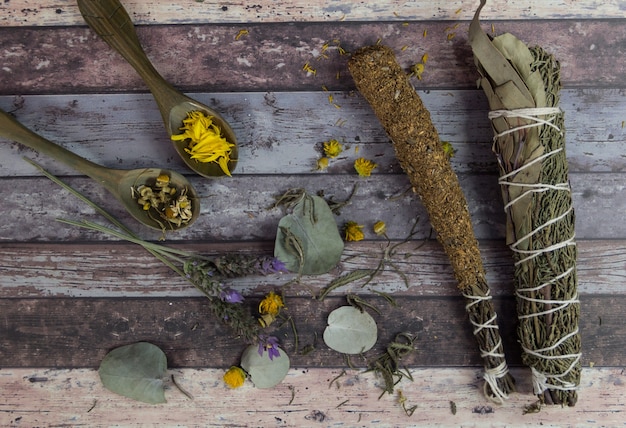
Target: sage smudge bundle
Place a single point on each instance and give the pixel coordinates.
(522, 85)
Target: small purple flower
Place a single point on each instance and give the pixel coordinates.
(279, 266)
(269, 344)
(272, 265)
(231, 296)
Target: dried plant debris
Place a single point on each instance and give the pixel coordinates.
(387, 365)
(165, 203)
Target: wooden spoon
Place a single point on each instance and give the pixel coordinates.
(117, 181)
(111, 22)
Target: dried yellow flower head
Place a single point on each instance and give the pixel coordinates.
(417, 70)
(234, 377)
(266, 319)
(322, 164)
(364, 167)
(206, 143)
(271, 304)
(164, 202)
(380, 228)
(332, 148)
(354, 231)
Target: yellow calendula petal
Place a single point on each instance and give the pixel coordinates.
(380, 228)
(223, 163)
(206, 143)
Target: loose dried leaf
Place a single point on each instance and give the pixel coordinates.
(265, 373)
(350, 331)
(135, 371)
(308, 240)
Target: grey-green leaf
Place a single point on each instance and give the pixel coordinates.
(135, 371)
(308, 240)
(350, 331)
(265, 373)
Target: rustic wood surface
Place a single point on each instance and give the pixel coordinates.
(307, 398)
(67, 296)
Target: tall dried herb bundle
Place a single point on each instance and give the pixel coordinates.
(384, 84)
(522, 86)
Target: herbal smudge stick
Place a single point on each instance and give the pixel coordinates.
(522, 86)
(383, 83)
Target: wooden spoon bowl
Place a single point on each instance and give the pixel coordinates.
(111, 22)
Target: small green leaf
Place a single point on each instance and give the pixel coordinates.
(308, 240)
(265, 373)
(135, 371)
(350, 331)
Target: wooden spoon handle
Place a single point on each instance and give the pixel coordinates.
(111, 22)
(13, 130)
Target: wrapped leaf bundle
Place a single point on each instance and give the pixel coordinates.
(522, 86)
(384, 84)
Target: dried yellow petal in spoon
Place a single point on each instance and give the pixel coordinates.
(206, 143)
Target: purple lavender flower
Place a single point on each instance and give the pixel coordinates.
(272, 265)
(231, 296)
(269, 344)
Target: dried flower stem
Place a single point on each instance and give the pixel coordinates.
(205, 273)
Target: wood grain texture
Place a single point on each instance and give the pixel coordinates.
(283, 132)
(77, 332)
(65, 12)
(119, 270)
(249, 198)
(67, 296)
(37, 397)
(208, 58)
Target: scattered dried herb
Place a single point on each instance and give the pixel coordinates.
(387, 365)
(452, 407)
(403, 400)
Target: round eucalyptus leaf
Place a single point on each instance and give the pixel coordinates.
(135, 371)
(350, 331)
(264, 373)
(308, 239)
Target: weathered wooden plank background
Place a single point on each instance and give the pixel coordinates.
(67, 296)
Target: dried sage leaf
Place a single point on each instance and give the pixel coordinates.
(308, 240)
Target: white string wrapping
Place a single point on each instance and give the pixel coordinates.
(541, 381)
(491, 375)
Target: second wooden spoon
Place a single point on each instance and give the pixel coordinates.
(117, 181)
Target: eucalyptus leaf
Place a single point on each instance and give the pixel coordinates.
(135, 371)
(350, 331)
(265, 373)
(308, 240)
